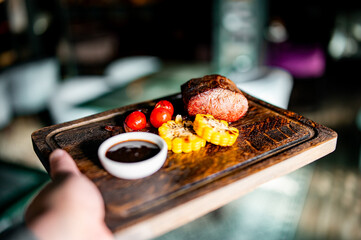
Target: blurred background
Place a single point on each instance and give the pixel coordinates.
(64, 59)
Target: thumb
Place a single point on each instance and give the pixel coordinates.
(61, 162)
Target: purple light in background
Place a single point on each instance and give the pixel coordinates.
(300, 61)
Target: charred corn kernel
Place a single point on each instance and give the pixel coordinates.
(215, 131)
(180, 137)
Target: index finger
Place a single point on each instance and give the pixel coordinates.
(62, 163)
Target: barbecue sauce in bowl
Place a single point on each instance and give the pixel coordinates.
(132, 151)
(133, 155)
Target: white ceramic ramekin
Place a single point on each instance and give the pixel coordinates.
(133, 170)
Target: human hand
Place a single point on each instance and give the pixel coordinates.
(70, 207)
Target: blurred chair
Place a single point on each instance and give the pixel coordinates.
(272, 85)
(5, 104)
(26, 88)
(64, 104)
(32, 84)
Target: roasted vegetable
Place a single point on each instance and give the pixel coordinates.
(136, 120)
(179, 136)
(215, 131)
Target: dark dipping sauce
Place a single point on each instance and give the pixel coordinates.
(132, 151)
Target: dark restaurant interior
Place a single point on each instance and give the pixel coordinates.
(65, 59)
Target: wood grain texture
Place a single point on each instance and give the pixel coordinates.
(269, 138)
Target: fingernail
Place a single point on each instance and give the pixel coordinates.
(57, 153)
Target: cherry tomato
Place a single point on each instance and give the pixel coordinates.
(160, 116)
(136, 120)
(165, 104)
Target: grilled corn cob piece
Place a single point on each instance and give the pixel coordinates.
(215, 131)
(179, 136)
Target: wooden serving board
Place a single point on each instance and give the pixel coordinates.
(272, 142)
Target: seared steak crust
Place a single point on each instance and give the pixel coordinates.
(215, 95)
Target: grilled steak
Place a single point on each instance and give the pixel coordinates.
(215, 95)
